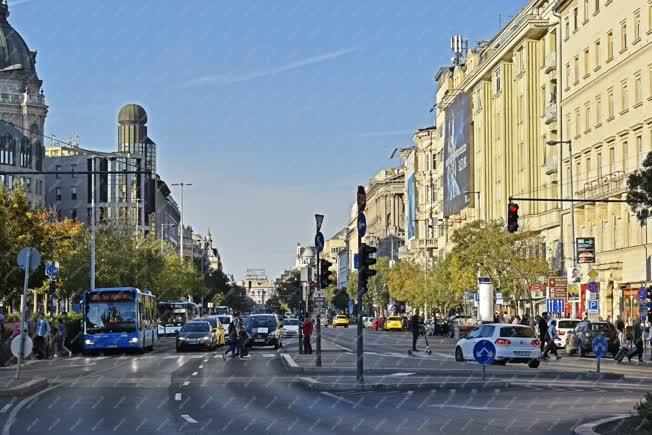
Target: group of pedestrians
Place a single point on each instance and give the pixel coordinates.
(48, 335)
(631, 339)
(547, 336)
(237, 338)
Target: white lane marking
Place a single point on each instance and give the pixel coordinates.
(339, 398)
(201, 366)
(269, 355)
(185, 384)
(5, 408)
(474, 408)
(188, 418)
(177, 397)
(341, 347)
(399, 374)
(195, 373)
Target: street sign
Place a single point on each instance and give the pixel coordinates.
(592, 307)
(484, 280)
(499, 298)
(320, 293)
(362, 225)
(319, 302)
(557, 287)
(593, 275)
(594, 286)
(15, 346)
(642, 293)
(585, 249)
(34, 259)
(477, 297)
(319, 242)
(350, 306)
(51, 270)
(599, 346)
(484, 352)
(555, 305)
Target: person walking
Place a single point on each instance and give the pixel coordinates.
(637, 340)
(415, 325)
(516, 320)
(42, 335)
(543, 329)
(307, 333)
(551, 335)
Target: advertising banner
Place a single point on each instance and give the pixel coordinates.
(457, 155)
(411, 212)
(585, 250)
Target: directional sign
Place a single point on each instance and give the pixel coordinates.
(51, 270)
(484, 280)
(599, 346)
(319, 242)
(484, 352)
(555, 305)
(593, 306)
(594, 286)
(477, 297)
(356, 261)
(34, 259)
(362, 224)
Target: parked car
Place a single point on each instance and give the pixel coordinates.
(341, 320)
(393, 323)
(564, 327)
(580, 340)
(290, 327)
(514, 344)
(264, 330)
(197, 334)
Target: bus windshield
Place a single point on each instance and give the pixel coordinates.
(110, 317)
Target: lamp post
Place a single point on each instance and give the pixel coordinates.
(572, 198)
(181, 229)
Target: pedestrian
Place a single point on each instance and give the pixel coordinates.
(416, 328)
(637, 339)
(2, 326)
(42, 335)
(516, 320)
(526, 319)
(307, 333)
(551, 335)
(620, 329)
(543, 329)
(506, 317)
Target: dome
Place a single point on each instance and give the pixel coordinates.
(132, 114)
(16, 59)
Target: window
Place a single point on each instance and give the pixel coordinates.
(58, 193)
(597, 7)
(566, 28)
(649, 18)
(7, 151)
(576, 65)
(497, 80)
(649, 74)
(73, 214)
(73, 193)
(586, 10)
(610, 45)
(623, 36)
(25, 156)
(577, 122)
(610, 103)
(639, 151)
(598, 111)
(73, 168)
(638, 91)
(587, 170)
(599, 165)
(568, 75)
(587, 117)
(637, 26)
(576, 15)
(58, 169)
(587, 62)
(27, 182)
(624, 98)
(624, 158)
(612, 160)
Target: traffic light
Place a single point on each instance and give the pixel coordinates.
(366, 261)
(325, 279)
(512, 217)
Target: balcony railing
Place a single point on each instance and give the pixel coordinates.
(551, 62)
(552, 165)
(21, 98)
(550, 115)
(609, 185)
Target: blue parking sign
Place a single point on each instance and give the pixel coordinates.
(593, 306)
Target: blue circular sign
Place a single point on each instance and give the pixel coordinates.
(484, 352)
(362, 224)
(599, 346)
(319, 242)
(642, 293)
(594, 287)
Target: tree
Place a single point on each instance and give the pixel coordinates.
(639, 186)
(289, 290)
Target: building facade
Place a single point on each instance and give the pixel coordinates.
(257, 286)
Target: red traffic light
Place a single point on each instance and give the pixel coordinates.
(513, 208)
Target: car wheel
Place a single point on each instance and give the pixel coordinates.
(534, 363)
(459, 355)
(179, 349)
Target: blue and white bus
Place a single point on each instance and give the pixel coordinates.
(173, 315)
(119, 318)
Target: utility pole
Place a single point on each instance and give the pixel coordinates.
(181, 228)
(93, 175)
(319, 246)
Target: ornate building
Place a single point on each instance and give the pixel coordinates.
(22, 113)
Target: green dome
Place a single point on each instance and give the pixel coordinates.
(132, 114)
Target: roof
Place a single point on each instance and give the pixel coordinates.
(132, 114)
(16, 59)
(8, 129)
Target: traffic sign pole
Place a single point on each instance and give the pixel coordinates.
(23, 308)
(362, 202)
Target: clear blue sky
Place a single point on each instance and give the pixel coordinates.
(273, 110)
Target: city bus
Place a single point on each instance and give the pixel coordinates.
(173, 315)
(119, 318)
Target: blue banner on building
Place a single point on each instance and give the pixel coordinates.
(457, 155)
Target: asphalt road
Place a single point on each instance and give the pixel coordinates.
(197, 393)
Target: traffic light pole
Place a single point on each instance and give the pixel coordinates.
(360, 353)
(318, 317)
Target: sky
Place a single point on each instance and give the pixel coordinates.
(274, 111)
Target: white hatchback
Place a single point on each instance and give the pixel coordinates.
(513, 343)
(564, 326)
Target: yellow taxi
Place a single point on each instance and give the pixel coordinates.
(217, 328)
(341, 320)
(393, 322)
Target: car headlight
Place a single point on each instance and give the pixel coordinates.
(207, 337)
(181, 338)
(88, 342)
(133, 340)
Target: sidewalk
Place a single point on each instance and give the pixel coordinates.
(10, 387)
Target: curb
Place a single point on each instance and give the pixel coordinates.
(315, 385)
(587, 428)
(29, 387)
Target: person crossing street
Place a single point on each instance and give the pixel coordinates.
(415, 325)
(551, 335)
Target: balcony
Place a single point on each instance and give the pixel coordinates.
(427, 243)
(551, 62)
(38, 99)
(552, 165)
(550, 114)
(604, 187)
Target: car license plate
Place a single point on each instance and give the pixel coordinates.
(521, 353)
(262, 330)
(259, 340)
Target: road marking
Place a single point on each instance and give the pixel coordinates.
(474, 408)
(338, 398)
(269, 355)
(188, 418)
(6, 408)
(399, 374)
(195, 373)
(341, 347)
(185, 384)
(201, 366)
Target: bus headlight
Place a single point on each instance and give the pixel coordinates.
(88, 342)
(133, 340)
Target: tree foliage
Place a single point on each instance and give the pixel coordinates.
(639, 186)
(289, 290)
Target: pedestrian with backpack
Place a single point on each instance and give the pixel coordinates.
(551, 335)
(233, 337)
(637, 340)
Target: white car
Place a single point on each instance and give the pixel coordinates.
(513, 343)
(564, 326)
(290, 327)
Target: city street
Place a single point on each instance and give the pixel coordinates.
(198, 392)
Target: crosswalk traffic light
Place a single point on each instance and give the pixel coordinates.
(512, 217)
(367, 259)
(325, 275)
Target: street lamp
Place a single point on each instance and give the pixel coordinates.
(181, 229)
(572, 199)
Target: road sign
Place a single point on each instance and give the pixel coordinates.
(642, 293)
(51, 270)
(555, 305)
(319, 302)
(585, 249)
(599, 346)
(484, 280)
(477, 297)
(320, 293)
(356, 261)
(15, 346)
(594, 286)
(34, 259)
(350, 306)
(593, 275)
(362, 224)
(319, 242)
(499, 298)
(593, 307)
(484, 352)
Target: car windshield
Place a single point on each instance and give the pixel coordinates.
(292, 322)
(567, 324)
(212, 321)
(195, 327)
(342, 316)
(517, 331)
(394, 318)
(224, 320)
(110, 317)
(261, 321)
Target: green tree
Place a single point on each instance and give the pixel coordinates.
(289, 290)
(639, 186)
